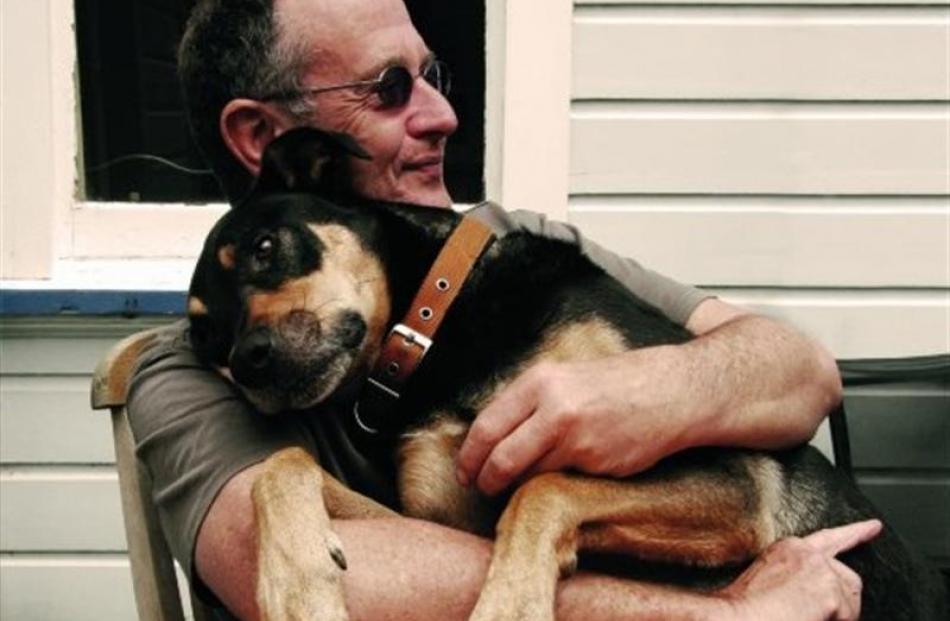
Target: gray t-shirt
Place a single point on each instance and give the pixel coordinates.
(193, 431)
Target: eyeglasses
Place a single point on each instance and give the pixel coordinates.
(393, 87)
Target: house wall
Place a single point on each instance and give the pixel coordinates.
(793, 158)
(62, 543)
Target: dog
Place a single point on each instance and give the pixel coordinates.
(292, 296)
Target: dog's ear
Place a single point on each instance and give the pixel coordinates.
(307, 159)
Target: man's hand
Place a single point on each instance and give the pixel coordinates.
(800, 580)
(612, 416)
(746, 381)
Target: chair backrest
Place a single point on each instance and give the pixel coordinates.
(153, 571)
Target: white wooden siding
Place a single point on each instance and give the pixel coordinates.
(798, 53)
(760, 148)
(62, 543)
(75, 587)
(795, 158)
(31, 404)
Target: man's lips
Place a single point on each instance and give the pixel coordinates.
(430, 165)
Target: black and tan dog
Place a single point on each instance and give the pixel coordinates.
(293, 294)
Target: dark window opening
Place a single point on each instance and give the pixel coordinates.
(455, 31)
(137, 145)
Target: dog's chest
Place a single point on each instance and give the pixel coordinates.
(428, 488)
(427, 455)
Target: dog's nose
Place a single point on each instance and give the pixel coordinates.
(351, 329)
(252, 357)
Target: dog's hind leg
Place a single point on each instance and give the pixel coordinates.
(701, 518)
(299, 558)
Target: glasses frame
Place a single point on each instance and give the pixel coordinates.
(375, 85)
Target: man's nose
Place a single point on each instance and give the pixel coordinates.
(431, 113)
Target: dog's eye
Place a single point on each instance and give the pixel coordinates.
(264, 248)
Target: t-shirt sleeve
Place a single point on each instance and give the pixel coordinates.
(675, 300)
(194, 432)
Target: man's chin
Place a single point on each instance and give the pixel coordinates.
(436, 197)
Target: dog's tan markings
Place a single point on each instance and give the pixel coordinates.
(770, 489)
(196, 306)
(577, 341)
(779, 515)
(225, 373)
(299, 556)
(226, 256)
(584, 340)
(345, 260)
(428, 488)
(349, 278)
(268, 307)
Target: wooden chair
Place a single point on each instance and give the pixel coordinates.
(153, 571)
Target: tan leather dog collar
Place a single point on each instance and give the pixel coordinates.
(409, 341)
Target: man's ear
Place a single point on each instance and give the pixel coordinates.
(308, 159)
(247, 126)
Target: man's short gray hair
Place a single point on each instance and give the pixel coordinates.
(231, 49)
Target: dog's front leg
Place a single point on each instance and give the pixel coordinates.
(300, 559)
(531, 548)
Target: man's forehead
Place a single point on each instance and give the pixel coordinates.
(354, 37)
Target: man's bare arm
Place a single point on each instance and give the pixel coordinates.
(778, 384)
(744, 381)
(401, 568)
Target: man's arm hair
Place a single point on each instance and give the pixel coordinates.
(401, 568)
(744, 381)
(765, 385)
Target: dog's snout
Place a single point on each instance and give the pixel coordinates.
(252, 358)
(352, 329)
(259, 346)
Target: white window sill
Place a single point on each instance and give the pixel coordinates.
(113, 275)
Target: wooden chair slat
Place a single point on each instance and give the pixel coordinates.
(157, 597)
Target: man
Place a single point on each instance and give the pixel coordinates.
(252, 71)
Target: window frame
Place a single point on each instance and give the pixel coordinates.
(47, 226)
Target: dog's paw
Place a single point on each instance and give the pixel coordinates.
(336, 550)
(302, 584)
(285, 604)
(523, 598)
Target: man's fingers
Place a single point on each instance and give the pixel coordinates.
(850, 588)
(514, 455)
(549, 462)
(503, 414)
(833, 541)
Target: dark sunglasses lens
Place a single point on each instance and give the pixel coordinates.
(437, 75)
(395, 87)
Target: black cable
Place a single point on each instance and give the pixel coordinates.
(148, 157)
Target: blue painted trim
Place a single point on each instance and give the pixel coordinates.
(15, 302)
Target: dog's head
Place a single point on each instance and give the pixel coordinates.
(289, 298)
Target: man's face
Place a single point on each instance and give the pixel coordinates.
(353, 40)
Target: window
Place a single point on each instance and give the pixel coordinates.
(70, 220)
(456, 33)
(135, 137)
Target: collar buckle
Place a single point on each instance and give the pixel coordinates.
(412, 337)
